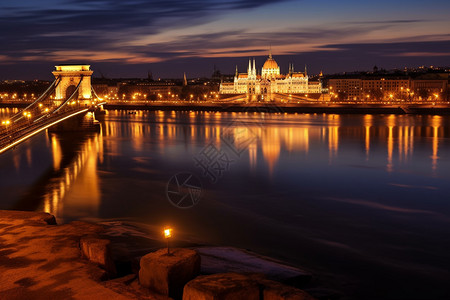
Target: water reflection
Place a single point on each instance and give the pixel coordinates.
(277, 134)
(271, 146)
(76, 188)
(436, 122)
(271, 136)
(368, 122)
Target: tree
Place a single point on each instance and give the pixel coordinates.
(341, 96)
(375, 95)
(423, 93)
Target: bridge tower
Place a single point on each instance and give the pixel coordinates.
(71, 77)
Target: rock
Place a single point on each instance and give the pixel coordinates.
(41, 261)
(97, 250)
(225, 286)
(167, 274)
(28, 216)
(229, 259)
(273, 290)
(129, 286)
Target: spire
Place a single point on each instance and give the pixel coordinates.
(254, 67)
(305, 70)
(184, 79)
(249, 70)
(270, 51)
(237, 71)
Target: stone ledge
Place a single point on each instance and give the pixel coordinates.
(41, 217)
(225, 286)
(97, 250)
(167, 274)
(236, 286)
(273, 290)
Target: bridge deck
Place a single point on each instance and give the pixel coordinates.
(17, 133)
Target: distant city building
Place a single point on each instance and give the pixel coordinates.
(270, 81)
(374, 88)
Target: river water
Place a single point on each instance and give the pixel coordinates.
(361, 201)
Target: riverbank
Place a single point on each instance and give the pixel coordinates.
(327, 108)
(42, 260)
(269, 108)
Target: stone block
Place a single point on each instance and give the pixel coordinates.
(167, 274)
(97, 250)
(273, 290)
(224, 286)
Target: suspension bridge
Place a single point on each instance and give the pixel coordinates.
(70, 95)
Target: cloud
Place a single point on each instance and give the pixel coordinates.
(421, 54)
(104, 25)
(367, 22)
(152, 32)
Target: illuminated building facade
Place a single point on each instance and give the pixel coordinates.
(269, 81)
(377, 89)
(72, 76)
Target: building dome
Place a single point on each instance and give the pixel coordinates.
(270, 64)
(270, 68)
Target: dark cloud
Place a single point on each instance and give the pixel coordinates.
(389, 21)
(86, 24)
(254, 42)
(349, 57)
(104, 31)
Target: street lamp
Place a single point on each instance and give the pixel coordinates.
(167, 236)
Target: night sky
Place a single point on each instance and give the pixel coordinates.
(128, 38)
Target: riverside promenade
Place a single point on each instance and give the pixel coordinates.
(438, 108)
(281, 107)
(83, 260)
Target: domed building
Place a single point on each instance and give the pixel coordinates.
(269, 81)
(270, 69)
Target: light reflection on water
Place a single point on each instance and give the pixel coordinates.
(361, 196)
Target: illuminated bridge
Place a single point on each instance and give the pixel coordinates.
(70, 95)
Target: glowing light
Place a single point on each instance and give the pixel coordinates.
(168, 232)
(168, 235)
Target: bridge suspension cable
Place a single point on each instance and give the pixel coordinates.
(47, 92)
(70, 98)
(44, 112)
(96, 96)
